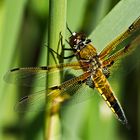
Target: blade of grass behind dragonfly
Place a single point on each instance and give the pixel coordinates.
(119, 18)
(11, 17)
(57, 23)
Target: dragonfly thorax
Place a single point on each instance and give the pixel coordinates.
(95, 63)
(82, 46)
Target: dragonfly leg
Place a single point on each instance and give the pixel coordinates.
(61, 55)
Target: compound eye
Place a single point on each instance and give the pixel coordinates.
(72, 40)
(75, 42)
(83, 39)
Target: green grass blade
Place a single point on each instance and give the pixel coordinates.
(57, 25)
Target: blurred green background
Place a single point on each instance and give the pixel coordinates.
(23, 36)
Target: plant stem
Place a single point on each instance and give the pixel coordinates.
(57, 24)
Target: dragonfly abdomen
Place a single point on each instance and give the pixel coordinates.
(105, 90)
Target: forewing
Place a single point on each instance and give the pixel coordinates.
(26, 76)
(112, 45)
(114, 62)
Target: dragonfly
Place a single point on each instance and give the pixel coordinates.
(94, 70)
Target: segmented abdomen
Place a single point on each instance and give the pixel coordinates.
(103, 86)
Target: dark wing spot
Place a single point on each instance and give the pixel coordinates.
(15, 69)
(24, 98)
(131, 27)
(126, 48)
(44, 68)
(55, 87)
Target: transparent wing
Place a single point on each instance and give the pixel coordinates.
(114, 62)
(34, 102)
(112, 45)
(26, 76)
(127, 50)
(70, 92)
(83, 93)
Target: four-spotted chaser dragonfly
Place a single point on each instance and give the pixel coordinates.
(95, 71)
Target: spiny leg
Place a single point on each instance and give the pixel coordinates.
(61, 56)
(112, 45)
(69, 29)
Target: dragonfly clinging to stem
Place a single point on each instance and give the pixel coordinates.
(95, 71)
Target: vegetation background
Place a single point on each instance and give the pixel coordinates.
(23, 33)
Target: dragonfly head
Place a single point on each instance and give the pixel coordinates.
(77, 40)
